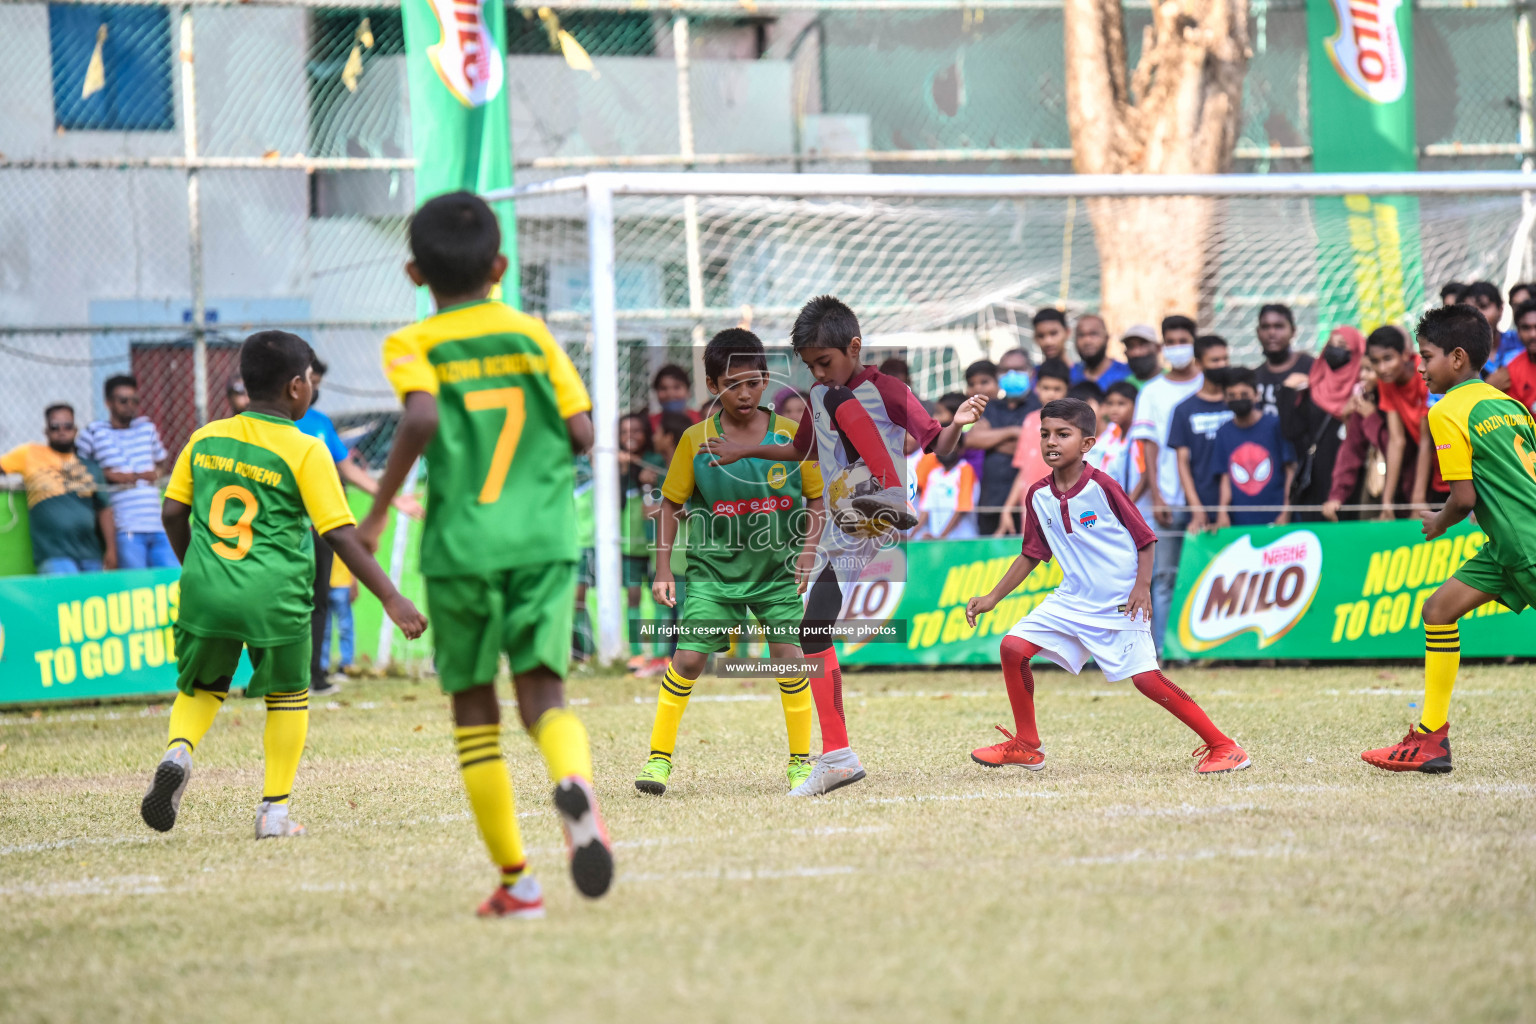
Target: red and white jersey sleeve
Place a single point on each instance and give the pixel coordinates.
(1094, 533)
(896, 411)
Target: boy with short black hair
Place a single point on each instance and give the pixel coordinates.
(1192, 432)
(498, 410)
(1522, 368)
(1404, 401)
(857, 421)
(1486, 444)
(1249, 454)
(1050, 326)
(747, 528)
(237, 512)
(1053, 380)
(1102, 609)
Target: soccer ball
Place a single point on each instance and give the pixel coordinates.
(845, 485)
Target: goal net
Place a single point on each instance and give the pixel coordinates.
(634, 271)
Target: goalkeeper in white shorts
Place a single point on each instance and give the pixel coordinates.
(1102, 609)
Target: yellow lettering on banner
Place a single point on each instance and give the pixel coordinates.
(143, 608)
(90, 660)
(955, 627)
(119, 612)
(64, 665)
(94, 613)
(45, 667)
(1357, 616)
(112, 655)
(71, 626)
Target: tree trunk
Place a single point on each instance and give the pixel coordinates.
(1177, 113)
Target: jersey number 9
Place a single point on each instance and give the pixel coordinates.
(238, 531)
(510, 400)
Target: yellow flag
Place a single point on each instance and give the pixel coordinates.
(575, 56)
(354, 69)
(96, 70)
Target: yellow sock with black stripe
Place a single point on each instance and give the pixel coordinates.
(283, 743)
(1442, 659)
(796, 696)
(671, 702)
(562, 739)
(490, 797)
(192, 717)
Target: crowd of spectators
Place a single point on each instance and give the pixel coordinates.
(1197, 442)
(94, 495)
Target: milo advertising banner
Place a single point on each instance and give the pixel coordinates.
(922, 588)
(93, 635)
(1360, 82)
(1327, 591)
(455, 60)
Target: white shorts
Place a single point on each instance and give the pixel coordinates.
(848, 554)
(1120, 653)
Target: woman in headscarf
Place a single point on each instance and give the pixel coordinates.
(1313, 407)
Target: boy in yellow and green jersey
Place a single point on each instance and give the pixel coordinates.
(752, 532)
(499, 412)
(237, 513)
(1486, 445)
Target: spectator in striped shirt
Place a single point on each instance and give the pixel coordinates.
(127, 446)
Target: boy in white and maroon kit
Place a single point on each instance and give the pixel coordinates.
(1103, 607)
(855, 415)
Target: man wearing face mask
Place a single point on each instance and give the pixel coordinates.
(1007, 386)
(1154, 415)
(1142, 356)
(1092, 342)
(1277, 329)
(68, 509)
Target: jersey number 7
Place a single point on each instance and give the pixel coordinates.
(510, 400)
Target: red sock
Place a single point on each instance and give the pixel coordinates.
(827, 689)
(1021, 687)
(856, 425)
(1158, 687)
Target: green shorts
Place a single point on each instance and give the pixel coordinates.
(637, 570)
(1515, 588)
(210, 661)
(712, 610)
(526, 612)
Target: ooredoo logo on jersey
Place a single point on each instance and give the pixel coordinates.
(1245, 589)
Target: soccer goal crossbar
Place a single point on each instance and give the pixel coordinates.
(927, 253)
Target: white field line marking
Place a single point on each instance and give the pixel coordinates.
(121, 885)
(1036, 794)
(60, 844)
(1145, 857)
(738, 875)
(1181, 811)
(1491, 788)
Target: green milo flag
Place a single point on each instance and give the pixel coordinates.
(460, 128)
(1360, 79)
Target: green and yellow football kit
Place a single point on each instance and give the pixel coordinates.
(746, 526)
(1483, 435)
(498, 550)
(254, 483)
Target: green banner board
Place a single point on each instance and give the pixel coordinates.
(1360, 88)
(455, 59)
(926, 585)
(87, 636)
(1327, 591)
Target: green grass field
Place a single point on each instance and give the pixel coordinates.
(1113, 885)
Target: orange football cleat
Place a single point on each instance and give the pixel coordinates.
(1428, 752)
(1224, 757)
(1012, 751)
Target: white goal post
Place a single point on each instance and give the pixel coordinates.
(930, 252)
